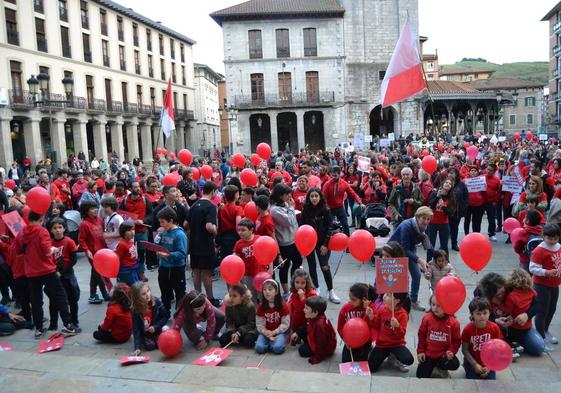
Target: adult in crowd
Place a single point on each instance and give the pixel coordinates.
(405, 198)
(491, 197)
(461, 197)
(443, 204)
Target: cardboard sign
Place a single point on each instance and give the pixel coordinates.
(363, 164)
(54, 343)
(14, 222)
(392, 275)
(213, 357)
(356, 369)
(385, 142)
(476, 184)
(128, 360)
(154, 247)
(127, 216)
(510, 184)
(543, 137)
(6, 347)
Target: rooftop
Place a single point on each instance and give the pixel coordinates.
(273, 9)
(464, 70)
(430, 57)
(552, 12)
(504, 83)
(217, 75)
(447, 87)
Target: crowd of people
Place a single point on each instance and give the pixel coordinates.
(198, 216)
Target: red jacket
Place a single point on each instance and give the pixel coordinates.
(63, 184)
(287, 179)
(35, 243)
(118, 322)
(15, 261)
(523, 214)
(438, 335)
(519, 245)
(90, 235)
(296, 307)
(141, 207)
(321, 338)
(493, 192)
(348, 311)
(548, 259)
(518, 302)
(388, 337)
(334, 193)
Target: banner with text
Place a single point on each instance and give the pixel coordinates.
(476, 184)
(392, 275)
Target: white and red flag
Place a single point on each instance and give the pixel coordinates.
(404, 76)
(167, 118)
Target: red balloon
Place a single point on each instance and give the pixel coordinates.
(478, 135)
(159, 150)
(25, 212)
(106, 263)
(496, 354)
(515, 235)
(38, 200)
(466, 145)
(450, 293)
(472, 152)
(259, 279)
(170, 342)
(255, 159)
(172, 155)
(265, 250)
(185, 157)
(516, 135)
(171, 179)
(511, 224)
(232, 269)
(164, 152)
(10, 183)
(264, 150)
(476, 251)
(239, 160)
(250, 211)
(249, 177)
(306, 239)
(206, 172)
(356, 333)
(196, 173)
(429, 164)
(338, 242)
(529, 135)
(362, 245)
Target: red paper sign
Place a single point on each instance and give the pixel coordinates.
(213, 357)
(128, 360)
(54, 343)
(357, 369)
(6, 347)
(3, 227)
(127, 215)
(154, 247)
(14, 222)
(392, 275)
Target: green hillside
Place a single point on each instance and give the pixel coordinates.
(530, 70)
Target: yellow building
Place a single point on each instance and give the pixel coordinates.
(464, 74)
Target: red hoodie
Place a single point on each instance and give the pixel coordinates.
(321, 338)
(517, 302)
(348, 311)
(118, 322)
(334, 193)
(296, 307)
(519, 245)
(15, 261)
(388, 337)
(493, 191)
(35, 244)
(91, 235)
(438, 335)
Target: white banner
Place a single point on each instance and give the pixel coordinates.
(384, 142)
(363, 164)
(543, 137)
(511, 184)
(476, 184)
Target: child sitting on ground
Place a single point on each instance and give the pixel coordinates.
(9, 322)
(126, 251)
(273, 320)
(439, 267)
(301, 289)
(117, 325)
(240, 318)
(148, 318)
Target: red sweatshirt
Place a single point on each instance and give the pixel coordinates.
(296, 307)
(493, 192)
(244, 249)
(138, 207)
(35, 243)
(548, 258)
(126, 251)
(321, 338)
(517, 302)
(299, 198)
(519, 245)
(388, 337)
(118, 322)
(438, 335)
(523, 214)
(334, 193)
(15, 261)
(348, 311)
(273, 174)
(477, 337)
(90, 235)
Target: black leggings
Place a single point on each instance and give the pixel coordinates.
(293, 261)
(547, 300)
(97, 281)
(324, 266)
(22, 294)
(454, 227)
(378, 355)
(424, 370)
(171, 281)
(57, 296)
(474, 213)
(246, 340)
(70, 285)
(359, 354)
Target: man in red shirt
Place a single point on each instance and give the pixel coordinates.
(64, 188)
(492, 196)
(79, 187)
(334, 193)
(313, 180)
(279, 172)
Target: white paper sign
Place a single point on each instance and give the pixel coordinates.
(511, 184)
(494, 140)
(368, 138)
(476, 184)
(502, 138)
(391, 136)
(543, 137)
(514, 198)
(384, 142)
(363, 164)
(359, 141)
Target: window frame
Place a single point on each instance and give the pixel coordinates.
(310, 51)
(255, 44)
(282, 42)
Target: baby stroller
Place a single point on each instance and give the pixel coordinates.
(73, 220)
(374, 220)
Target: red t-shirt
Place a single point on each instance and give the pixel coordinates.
(126, 250)
(227, 216)
(476, 337)
(272, 316)
(299, 198)
(118, 322)
(265, 226)
(66, 247)
(548, 258)
(90, 234)
(348, 311)
(154, 197)
(244, 249)
(389, 337)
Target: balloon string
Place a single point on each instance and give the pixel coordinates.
(279, 265)
(261, 361)
(230, 343)
(351, 351)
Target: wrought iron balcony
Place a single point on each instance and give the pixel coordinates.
(116, 106)
(130, 107)
(274, 100)
(97, 105)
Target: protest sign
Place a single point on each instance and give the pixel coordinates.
(511, 184)
(476, 184)
(363, 164)
(357, 369)
(392, 275)
(6, 347)
(128, 360)
(54, 343)
(543, 137)
(213, 357)
(14, 222)
(384, 142)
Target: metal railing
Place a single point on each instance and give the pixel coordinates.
(296, 99)
(13, 37)
(116, 106)
(97, 104)
(131, 107)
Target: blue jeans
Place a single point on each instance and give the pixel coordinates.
(264, 345)
(415, 272)
(470, 374)
(530, 339)
(341, 215)
(443, 230)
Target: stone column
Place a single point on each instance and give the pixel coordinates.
(117, 140)
(6, 152)
(300, 131)
(80, 136)
(146, 138)
(180, 135)
(32, 136)
(132, 139)
(100, 139)
(274, 133)
(58, 138)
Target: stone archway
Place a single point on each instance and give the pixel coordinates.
(382, 121)
(259, 129)
(287, 130)
(313, 131)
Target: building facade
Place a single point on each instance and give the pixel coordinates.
(307, 74)
(207, 135)
(430, 66)
(464, 74)
(553, 115)
(119, 62)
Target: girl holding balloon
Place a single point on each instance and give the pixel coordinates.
(149, 315)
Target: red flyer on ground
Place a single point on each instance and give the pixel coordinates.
(14, 222)
(357, 369)
(128, 360)
(154, 247)
(54, 343)
(392, 275)
(213, 357)
(127, 215)
(6, 347)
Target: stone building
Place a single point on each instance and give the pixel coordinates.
(206, 135)
(308, 73)
(553, 116)
(119, 63)
(464, 74)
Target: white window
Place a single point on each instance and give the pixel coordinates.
(430, 66)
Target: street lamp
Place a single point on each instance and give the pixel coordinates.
(499, 101)
(232, 114)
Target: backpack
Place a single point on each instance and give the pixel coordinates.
(533, 242)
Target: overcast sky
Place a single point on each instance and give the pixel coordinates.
(501, 31)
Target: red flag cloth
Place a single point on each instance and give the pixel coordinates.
(404, 77)
(167, 118)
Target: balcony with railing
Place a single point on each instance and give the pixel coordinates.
(106, 61)
(557, 27)
(556, 49)
(42, 44)
(145, 109)
(103, 28)
(97, 105)
(130, 107)
(295, 99)
(13, 37)
(67, 52)
(21, 98)
(115, 107)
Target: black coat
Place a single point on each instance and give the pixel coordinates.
(160, 317)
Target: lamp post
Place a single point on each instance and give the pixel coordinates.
(499, 100)
(232, 114)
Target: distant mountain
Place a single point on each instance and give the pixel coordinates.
(529, 70)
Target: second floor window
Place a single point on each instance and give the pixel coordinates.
(149, 40)
(38, 6)
(161, 42)
(530, 101)
(12, 26)
(135, 34)
(150, 67)
(255, 44)
(122, 58)
(257, 87)
(84, 14)
(152, 98)
(90, 91)
(530, 118)
(310, 42)
(87, 50)
(182, 53)
(40, 33)
(62, 10)
(162, 69)
(65, 41)
(283, 43)
(512, 120)
(285, 87)
(172, 48)
(137, 62)
(183, 78)
(105, 52)
(173, 77)
(120, 30)
(312, 86)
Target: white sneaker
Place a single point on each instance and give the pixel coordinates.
(548, 347)
(552, 339)
(333, 298)
(318, 291)
(417, 306)
(493, 238)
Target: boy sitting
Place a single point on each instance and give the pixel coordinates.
(318, 337)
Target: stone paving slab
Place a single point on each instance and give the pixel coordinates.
(316, 382)
(152, 371)
(225, 377)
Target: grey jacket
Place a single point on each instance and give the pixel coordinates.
(285, 222)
